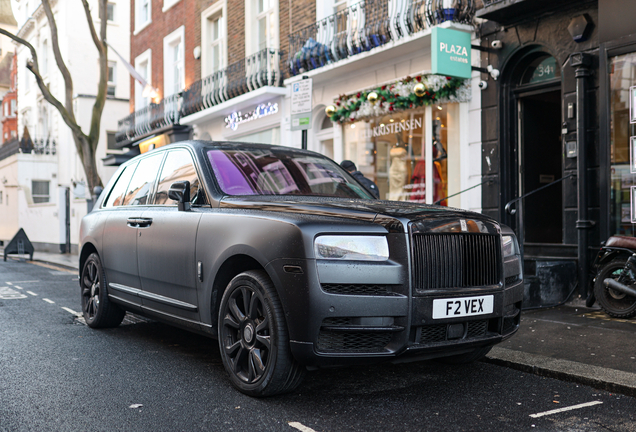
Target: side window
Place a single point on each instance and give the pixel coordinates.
(140, 187)
(116, 196)
(179, 167)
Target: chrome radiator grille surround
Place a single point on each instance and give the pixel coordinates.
(455, 260)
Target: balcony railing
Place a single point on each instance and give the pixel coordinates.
(492, 2)
(150, 118)
(256, 71)
(253, 72)
(367, 25)
(39, 146)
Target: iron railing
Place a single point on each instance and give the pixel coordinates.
(255, 71)
(150, 118)
(367, 25)
(45, 146)
(492, 2)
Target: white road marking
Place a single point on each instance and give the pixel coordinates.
(570, 408)
(15, 286)
(7, 293)
(301, 427)
(48, 301)
(72, 311)
(9, 283)
(32, 293)
(33, 281)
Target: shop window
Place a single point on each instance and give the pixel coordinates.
(40, 191)
(391, 151)
(623, 144)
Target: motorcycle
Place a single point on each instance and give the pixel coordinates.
(614, 284)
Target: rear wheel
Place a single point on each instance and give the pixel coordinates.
(466, 358)
(614, 303)
(253, 337)
(97, 309)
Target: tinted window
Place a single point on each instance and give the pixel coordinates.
(178, 167)
(275, 172)
(116, 196)
(140, 187)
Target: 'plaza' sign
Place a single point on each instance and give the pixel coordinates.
(450, 52)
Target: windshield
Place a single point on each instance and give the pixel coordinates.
(280, 172)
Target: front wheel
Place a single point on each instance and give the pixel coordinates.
(97, 309)
(253, 337)
(614, 303)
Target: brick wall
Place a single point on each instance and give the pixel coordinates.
(186, 13)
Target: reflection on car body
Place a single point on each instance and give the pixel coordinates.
(285, 259)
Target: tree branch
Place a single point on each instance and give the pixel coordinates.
(34, 68)
(68, 81)
(100, 100)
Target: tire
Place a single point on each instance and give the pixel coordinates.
(466, 358)
(253, 337)
(614, 303)
(98, 310)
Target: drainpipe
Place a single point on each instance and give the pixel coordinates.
(581, 62)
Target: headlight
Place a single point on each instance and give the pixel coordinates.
(360, 248)
(509, 246)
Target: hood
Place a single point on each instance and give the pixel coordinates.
(393, 215)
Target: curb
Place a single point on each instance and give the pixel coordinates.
(610, 380)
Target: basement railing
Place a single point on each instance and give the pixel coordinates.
(367, 25)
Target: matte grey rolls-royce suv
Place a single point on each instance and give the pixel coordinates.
(291, 264)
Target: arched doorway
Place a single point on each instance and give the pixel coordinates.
(532, 149)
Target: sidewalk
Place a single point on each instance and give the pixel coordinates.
(573, 343)
(570, 342)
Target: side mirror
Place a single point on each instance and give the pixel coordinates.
(180, 192)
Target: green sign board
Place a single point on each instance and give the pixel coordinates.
(450, 52)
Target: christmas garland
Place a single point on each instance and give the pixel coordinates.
(407, 93)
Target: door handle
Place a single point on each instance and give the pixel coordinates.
(139, 222)
(144, 222)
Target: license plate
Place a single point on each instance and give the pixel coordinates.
(463, 306)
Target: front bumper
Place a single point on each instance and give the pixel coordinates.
(365, 313)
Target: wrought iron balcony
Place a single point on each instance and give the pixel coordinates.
(39, 146)
(253, 72)
(367, 25)
(149, 119)
(256, 71)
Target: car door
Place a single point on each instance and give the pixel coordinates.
(126, 204)
(166, 248)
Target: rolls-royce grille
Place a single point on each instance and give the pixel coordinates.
(455, 260)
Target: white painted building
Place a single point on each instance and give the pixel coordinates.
(37, 183)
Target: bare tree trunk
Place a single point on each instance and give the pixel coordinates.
(86, 145)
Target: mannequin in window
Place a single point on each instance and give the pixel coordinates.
(397, 173)
(418, 180)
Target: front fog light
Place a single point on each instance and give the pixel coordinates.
(360, 248)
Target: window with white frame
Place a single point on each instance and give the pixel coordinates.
(40, 191)
(167, 4)
(44, 63)
(213, 38)
(13, 108)
(142, 14)
(143, 63)
(174, 62)
(261, 25)
(112, 78)
(110, 12)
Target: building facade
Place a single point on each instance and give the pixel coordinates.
(41, 172)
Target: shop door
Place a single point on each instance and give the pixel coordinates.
(541, 164)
